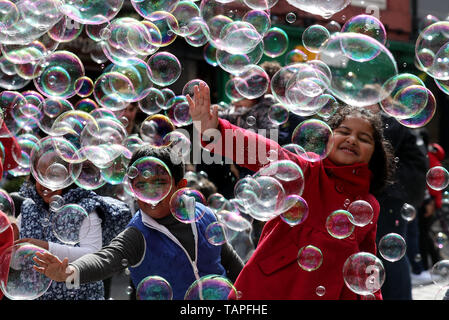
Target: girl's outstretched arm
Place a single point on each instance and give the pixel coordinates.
(244, 147)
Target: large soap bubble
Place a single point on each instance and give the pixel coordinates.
(360, 66)
(324, 8)
(19, 280)
(91, 11)
(210, 287)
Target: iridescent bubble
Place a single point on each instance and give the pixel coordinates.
(115, 173)
(185, 13)
(295, 56)
(354, 60)
(363, 273)
(310, 258)
(216, 202)
(320, 291)
(88, 12)
(428, 20)
(153, 102)
(233, 220)
(234, 63)
(60, 72)
(333, 27)
(65, 31)
(107, 89)
(5, 224)
(19, 280)
(440, 273)
(52, 108)
(315, 138)
(314, 37)
(252, 82)
(322, 8)
(154, 128)
(290, 17)
(86, 105)
(146, 7)
(329, 109)
(441, 240)
(278, 114)
(165, 68)
(153, 181)
(231, 91)
(392, 247)
(180, 146)
(56, 202)
(216, 233)
(154, 288)
(408, 212)
(188, 87)
(183, 205)
(437, 178)
(443, 85)
(431, 50)
(424, 116)
(6, 203)
(53, 162)
(297, 212)
(239, 37)
(210, 287)
(339, 224)
(269, 201)
(259, 19)
(90, 177)
(275, 42)
(368, 25)
(84, 86)
(9, 14)
(287, 173)
(209, 54)
(163, 20)
(66, 223)
(361, 213)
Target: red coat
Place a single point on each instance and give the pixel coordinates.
(6, 241)
(10, 146)
(272, 272)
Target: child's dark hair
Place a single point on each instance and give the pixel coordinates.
(382, 161)
(177, 168)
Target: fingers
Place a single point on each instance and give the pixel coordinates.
(40, 269)
(47, 257)
(40, 262)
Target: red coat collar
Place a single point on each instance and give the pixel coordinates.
(354, 179)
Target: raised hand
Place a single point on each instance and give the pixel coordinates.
(200, 109)
(50, 266)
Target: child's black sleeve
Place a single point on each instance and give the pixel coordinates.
(125, 250)
(231, 262)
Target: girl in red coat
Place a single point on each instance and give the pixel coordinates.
(358, 166)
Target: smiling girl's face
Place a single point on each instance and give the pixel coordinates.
(353, 141)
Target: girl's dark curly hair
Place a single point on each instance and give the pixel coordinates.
(382, 161)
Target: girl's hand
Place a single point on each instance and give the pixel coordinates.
(40, 243)
(200, 109)
(50, 266)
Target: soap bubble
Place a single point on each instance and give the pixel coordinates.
(60, 71)
(187, 15)
(368, 25)
(54, 162)
(333, 27)
(295, 56)
(440, 273)
(361, 212)
(314, 37)
(408, 212)
(322, 8)
(209, 54)
(210, 287)
(165, 68)
(154, 129)
(252, 82)
(275, 42)
(233, 220)
(183, 205)
(392, 247)
(315, 138)
(431, 50)
(339, 224)
(154, 288)
(354, 61)
(259, 19)
(278, 114)
(179, 111)
(91, 12)
(164, 22)
(363, 273)
(66, 223)
(10, 14)
(424, 116)
(310, 258)
(216, 233)
(437, 178)
(19, 280)
(297, 212)
(152, 181)
(146, 7)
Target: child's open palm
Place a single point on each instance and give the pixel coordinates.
(202, 116)
(50, 266)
